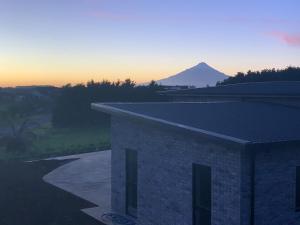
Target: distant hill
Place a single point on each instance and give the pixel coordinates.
(200, 75)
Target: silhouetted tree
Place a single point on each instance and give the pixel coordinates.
(288, 74)
(20, 137)
(73, 105)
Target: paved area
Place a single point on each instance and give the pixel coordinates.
(87, 177)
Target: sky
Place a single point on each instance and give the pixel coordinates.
(72, 41)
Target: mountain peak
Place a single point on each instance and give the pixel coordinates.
(200, 75)
(202, 64)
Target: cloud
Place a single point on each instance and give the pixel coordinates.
(290, 39)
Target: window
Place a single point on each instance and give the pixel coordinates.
(201, 195)
(131, 182)
(298, 187)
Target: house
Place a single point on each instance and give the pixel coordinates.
(176, 87)
(287, 92)
(211, 163)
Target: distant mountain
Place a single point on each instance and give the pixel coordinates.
(200, 75)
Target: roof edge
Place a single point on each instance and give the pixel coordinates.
(116, 111)
(234, 95)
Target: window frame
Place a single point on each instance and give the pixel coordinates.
(131, 184)
(196, 207)
(297, 189)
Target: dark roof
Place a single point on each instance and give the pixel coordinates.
(241, 122)
(275, 88)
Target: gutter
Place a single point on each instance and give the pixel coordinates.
(116, 111)
(235, 96)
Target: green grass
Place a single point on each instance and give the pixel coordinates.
(64, 141)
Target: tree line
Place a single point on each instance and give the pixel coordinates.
(73, 104)
(288, 74)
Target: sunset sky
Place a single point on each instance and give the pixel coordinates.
(70, 41)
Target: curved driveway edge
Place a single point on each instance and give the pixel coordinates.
(88, 177)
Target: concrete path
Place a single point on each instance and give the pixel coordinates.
(88, 177)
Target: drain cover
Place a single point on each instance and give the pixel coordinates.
(117, 219)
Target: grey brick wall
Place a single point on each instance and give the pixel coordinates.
(275, 186)
(165, 160)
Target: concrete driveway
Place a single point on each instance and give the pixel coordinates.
(87, 177)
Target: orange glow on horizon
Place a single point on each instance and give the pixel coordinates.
(58, 75)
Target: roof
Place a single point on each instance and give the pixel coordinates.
(242, 122)
(275, 88)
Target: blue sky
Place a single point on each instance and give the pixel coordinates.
(61, 41)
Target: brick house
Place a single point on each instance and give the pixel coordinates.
(221, 163)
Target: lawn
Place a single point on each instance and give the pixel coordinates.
(27, 200)
(63, 141)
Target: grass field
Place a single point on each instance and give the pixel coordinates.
(55, 142)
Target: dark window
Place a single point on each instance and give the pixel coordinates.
(201, 195)
(131, 182)
(298, 187)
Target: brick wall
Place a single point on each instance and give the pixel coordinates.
(275, 186)
(165, 158)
